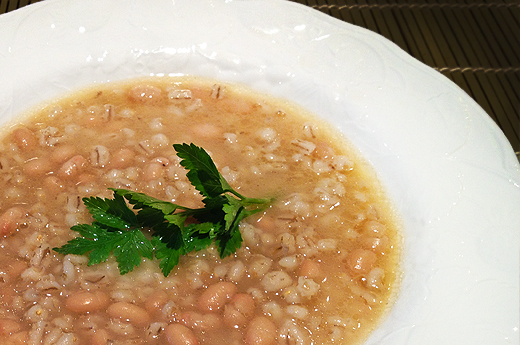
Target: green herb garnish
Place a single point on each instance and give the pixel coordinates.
(176, 230)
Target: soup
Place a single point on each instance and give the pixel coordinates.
(319, 266)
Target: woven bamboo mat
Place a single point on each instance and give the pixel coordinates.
(476, 44)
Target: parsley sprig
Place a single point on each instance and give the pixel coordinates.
(175, 230)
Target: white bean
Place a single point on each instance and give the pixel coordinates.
(10, 219)
(361, 261)
(216, 295)
(8, 326)
(24, 138)
(86, 302)
(129, 312)
(260, 331)
(239, 310)
(177, 334)
(72, 167)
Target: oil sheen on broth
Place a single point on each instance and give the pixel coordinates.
(318, 267)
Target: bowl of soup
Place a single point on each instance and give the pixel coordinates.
(394, 211)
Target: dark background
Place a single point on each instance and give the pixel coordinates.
(476, 44)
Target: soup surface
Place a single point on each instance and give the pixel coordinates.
(320, 266)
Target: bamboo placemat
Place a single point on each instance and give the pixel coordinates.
(476, 44)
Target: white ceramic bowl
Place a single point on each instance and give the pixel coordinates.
(446, 165)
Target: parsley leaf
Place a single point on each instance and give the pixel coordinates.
(120, 224)
(113, 213)
(127, 246)
(203, 173)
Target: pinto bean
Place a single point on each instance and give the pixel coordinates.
(177, 334)
(10, 219)
(86, 301)
(72, 167)
(239, 310)
(216, 295)
(24, 138)
(361, 261)
(130, 312)
(260, 331)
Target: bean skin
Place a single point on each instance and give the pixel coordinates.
(52, 185)
(99, 337)
(177, 334)
(310, 269)
(201, 322)
(122, 158)
(20, 338)
(10, 219)
(239, 310)
(376, 244)
(62, 153)
(267, 224)
(260, 331)
(153, 171)
(72, 167)
(155, 302)
(130, 312)
(373, 227)
(36, 167)
(323, 150)
(24, 138)
(216, 295)
(361, 261)
(8, 327)
(86, 301)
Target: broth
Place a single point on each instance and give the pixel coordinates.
(320, 266)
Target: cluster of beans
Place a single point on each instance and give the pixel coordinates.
(275, 290)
